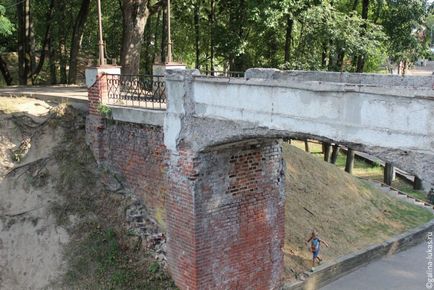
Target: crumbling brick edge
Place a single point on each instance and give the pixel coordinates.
(327, 273)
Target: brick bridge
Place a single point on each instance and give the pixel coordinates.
(210, 169)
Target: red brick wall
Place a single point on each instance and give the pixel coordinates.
(181, 220)
(95, 93)
(136, 153)
(224, 207)
(234, 238)
(95, 124)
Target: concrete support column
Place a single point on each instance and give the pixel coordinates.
(418, 183)
(226, 217)
(349, 164)
(389, 173)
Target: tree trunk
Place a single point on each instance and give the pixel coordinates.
(355, 4)
(340, 60)
(306, 146)
(47, 38)
(52, 62)
(389, 173)
(23, 17)
(331, 57)
(148, 54)
(324, 54)
(239, 17)
(361, 59)
(135, 15)
(349, 165)
(5, 71)
(417, 185)
(63, 61)
(288, 38)
(404, 67)
(62, 55)
(77, 35)
(335, 154)
(32, 45)
(197, 32)
(157, 56)
(211, 37)
(163, 43)
(326, 151)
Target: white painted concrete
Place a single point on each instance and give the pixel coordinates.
(391, 117)
(160, 69)
(138, 115)
(92, 73)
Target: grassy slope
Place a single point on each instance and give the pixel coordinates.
(365, 170)
(347, 212)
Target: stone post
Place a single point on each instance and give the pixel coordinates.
(96, 83)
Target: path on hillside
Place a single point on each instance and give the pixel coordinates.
(403, 271)
(74, 92)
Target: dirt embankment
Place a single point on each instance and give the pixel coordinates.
(30, 240)
(60, 228)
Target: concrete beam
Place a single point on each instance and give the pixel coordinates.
(137, 115)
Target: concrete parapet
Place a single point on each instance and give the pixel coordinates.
(365, 79)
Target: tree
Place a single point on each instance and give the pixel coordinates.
(135, 15)
(361, 58)
(403, 23)
(46, 39)
(77, 35)
(24, 32)
(6, 28)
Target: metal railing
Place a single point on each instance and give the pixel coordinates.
(145, 91)
(224, 74)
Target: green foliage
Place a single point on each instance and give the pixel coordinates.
(6, 26)
(403, 22)
(105, 111)
(239, 34)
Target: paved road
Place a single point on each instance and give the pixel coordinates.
(419, 70)
(404, 271)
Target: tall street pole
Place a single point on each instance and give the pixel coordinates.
(169, 38)
(101, 42)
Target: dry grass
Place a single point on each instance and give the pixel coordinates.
(347, 212)
(366, 170)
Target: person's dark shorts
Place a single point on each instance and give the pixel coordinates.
(315, 254)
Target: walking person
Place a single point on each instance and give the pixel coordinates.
(315, 246)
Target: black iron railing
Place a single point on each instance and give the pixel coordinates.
(146, 91)
(224, 74)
